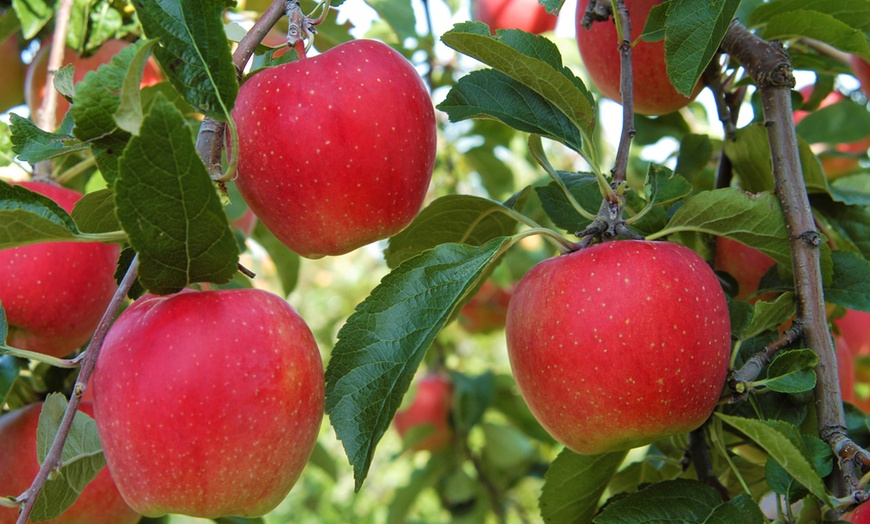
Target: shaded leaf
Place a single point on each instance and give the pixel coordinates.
(768, 315)
(95, 212)
(574, 484)
(669, 501)
(26, 217)
(384, 341)
(850, 287)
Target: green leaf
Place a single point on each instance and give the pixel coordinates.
(6, 154)
(670, 501)
(755, 220)
(81, 458)
(472, 396)
(170, 209)
(852, 190)
(321, 458)
(695, 154)
(770, 436)
(584, 187)
(493, 94)
(33, 14)
(9, 369)
(95, 212)
(238, 520)
(384, 341)
(852, 222)
(532, 60)
(792, 371)
(463, 219)
(506, 448)
(843, 122)
(694, 30)
(574, 484)
(851, 284)
(129, 114)
(739, 510)
(842, 24)
(768, 315)
(421, 479)
(33, 145)
(399, 14)
(193, 51)
(27, 217)
(286, 260)
(750, 155)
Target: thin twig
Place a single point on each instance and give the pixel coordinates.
(53, 457)
(626, 91)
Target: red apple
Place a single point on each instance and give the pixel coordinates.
(98, 502)
(336, 151)
(486, 310)
(839, 159)
(859, 515)
(861, 69)
(845, 369)
(54, 293)
(245, 223)
(12, 86)
(427, 419)
(34, 90)
(619, 344)
(747, 265)
(855, 328)
(208, 403)
(653, 92)
(527, 15)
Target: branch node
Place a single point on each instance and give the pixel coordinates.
(811, 238)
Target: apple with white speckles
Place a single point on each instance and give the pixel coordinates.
(208, 403)
(336, 151)
(619, 344)
(54, 293)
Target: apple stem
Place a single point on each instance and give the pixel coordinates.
(768, 64)
(53, 457)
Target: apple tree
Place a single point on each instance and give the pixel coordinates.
(486, 273)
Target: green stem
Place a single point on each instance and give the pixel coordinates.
(38, 357)
(563, 245)
(75, 170)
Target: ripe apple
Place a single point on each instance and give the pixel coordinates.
(619, 344)
(747, 265)
(839, 159)
(208, 403)
(845, 369)
(98, 502)
(653, 92)
(527, 15)
(427, 419)
(336, 151)
(54, 293)
(855, 328)
(859, 515)
(34, 85)
(245, 223)
(486, 310)
(12, 87)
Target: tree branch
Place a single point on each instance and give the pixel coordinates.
(52, 459)
(768, 64)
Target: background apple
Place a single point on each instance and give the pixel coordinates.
(487, 309)
(845, 369)
(855, 328)
(55, 292)
(337, 168)
(747, 265)
(34, 90)
(426, 421)
(527, 15)
(619, 344)
(99, 502)
(653, 92)
(12, 86)
(839, 159)
(859, 515)
(208, 403)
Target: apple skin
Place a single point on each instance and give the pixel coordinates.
(527, 15)
(245, 223)
(34, 84)
(98, 502)
(325, 162)
(854, 326)
(430, 408)
(746, 264)
(14, 70)
(208, 403)
(486, 311)
(859, 515)
(55, 293)
(653, 92)
(620, 344)
(845, 369)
